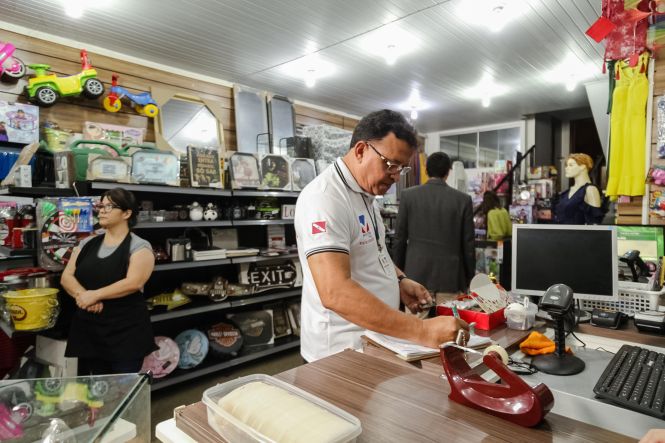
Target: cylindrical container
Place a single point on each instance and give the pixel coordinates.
(32, 309)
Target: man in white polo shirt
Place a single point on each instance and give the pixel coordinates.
(350, 283)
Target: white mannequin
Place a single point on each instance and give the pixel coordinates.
(580, 173)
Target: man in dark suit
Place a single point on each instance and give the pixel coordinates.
(434, 242)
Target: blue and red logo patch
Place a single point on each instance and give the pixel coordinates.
(364, 225)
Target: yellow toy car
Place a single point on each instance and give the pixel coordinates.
(45, 89)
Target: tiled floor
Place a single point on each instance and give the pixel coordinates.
(164, 401)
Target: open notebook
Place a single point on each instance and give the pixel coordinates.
(410, 351)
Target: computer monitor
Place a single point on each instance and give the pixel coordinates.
(649, 240)
(582, 257)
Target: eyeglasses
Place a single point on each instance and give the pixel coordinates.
(391, 166)
(107, 207)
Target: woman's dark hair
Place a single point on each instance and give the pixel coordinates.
(490, 201)
(125, 200)
(378, 124)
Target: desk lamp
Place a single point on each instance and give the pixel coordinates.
(558, 302)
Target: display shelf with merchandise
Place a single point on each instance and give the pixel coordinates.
(211, 365)
(4, 250)
(201, 306)
(261, 222)
(191, 264)
(285, 194)
(261, 258)
(183, 224)
(160, 189)
(37, 191)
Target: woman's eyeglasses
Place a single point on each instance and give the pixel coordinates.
(391, 166)
(107, 207)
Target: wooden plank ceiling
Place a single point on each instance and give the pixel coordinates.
(252, 42)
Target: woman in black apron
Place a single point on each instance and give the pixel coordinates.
(111, 330)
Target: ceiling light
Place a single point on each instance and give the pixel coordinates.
(486, 90)
(414, 114)
(310, 78)
(570, 72)
(491, 14)
(389, 42)
(310, 68)
(391, 54)
(74, 8)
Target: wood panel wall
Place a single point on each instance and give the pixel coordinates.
(70, 113)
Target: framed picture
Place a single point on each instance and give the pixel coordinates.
(303, 171)
(275, 172)
(244, 169)
(158, 167)
(112, 169)
(204, 167)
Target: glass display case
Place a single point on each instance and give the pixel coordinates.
(105, 408)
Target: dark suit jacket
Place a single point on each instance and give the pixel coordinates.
(434, 242)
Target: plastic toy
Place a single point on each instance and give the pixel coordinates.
(45, 89)
(11, 68)
(143, 103)
(657, 176)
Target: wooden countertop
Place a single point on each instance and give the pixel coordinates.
(400, 403)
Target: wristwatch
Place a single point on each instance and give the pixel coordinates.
(400, 278)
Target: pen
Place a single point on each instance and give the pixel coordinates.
(455, 313)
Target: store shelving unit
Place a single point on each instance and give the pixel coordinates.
(199, 306)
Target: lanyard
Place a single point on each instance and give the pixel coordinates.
(374, 225)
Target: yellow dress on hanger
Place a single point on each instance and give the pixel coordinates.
(628, 129)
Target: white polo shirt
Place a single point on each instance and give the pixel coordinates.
(333, 214)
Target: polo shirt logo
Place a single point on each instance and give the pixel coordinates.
(318, 227)
(364, 226)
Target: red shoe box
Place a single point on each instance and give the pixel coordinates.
(483, 320)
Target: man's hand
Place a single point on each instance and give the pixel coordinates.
(86, 299)
(96, 308)
(441, 329)
(654, 436)
(413, 294)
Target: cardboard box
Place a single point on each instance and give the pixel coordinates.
(484, 321)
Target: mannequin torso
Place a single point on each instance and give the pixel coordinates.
(573, 207)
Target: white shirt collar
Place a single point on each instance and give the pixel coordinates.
(345, 174)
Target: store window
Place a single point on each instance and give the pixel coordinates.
(480, 149)
(461, 147)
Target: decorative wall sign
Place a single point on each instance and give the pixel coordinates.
(204, 167)
(275, 172)
(244, 171)
(271, 275)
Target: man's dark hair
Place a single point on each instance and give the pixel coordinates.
(378, 124)
(438, 164)
(125, 200)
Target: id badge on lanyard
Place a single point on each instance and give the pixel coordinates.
(386, 262)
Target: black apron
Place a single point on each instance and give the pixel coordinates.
(122, 331)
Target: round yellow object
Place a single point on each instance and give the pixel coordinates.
(150, 110)
(32, 309)
(115, 107)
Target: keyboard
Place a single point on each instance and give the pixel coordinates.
(635, 379)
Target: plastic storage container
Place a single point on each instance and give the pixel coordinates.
(232, 429)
